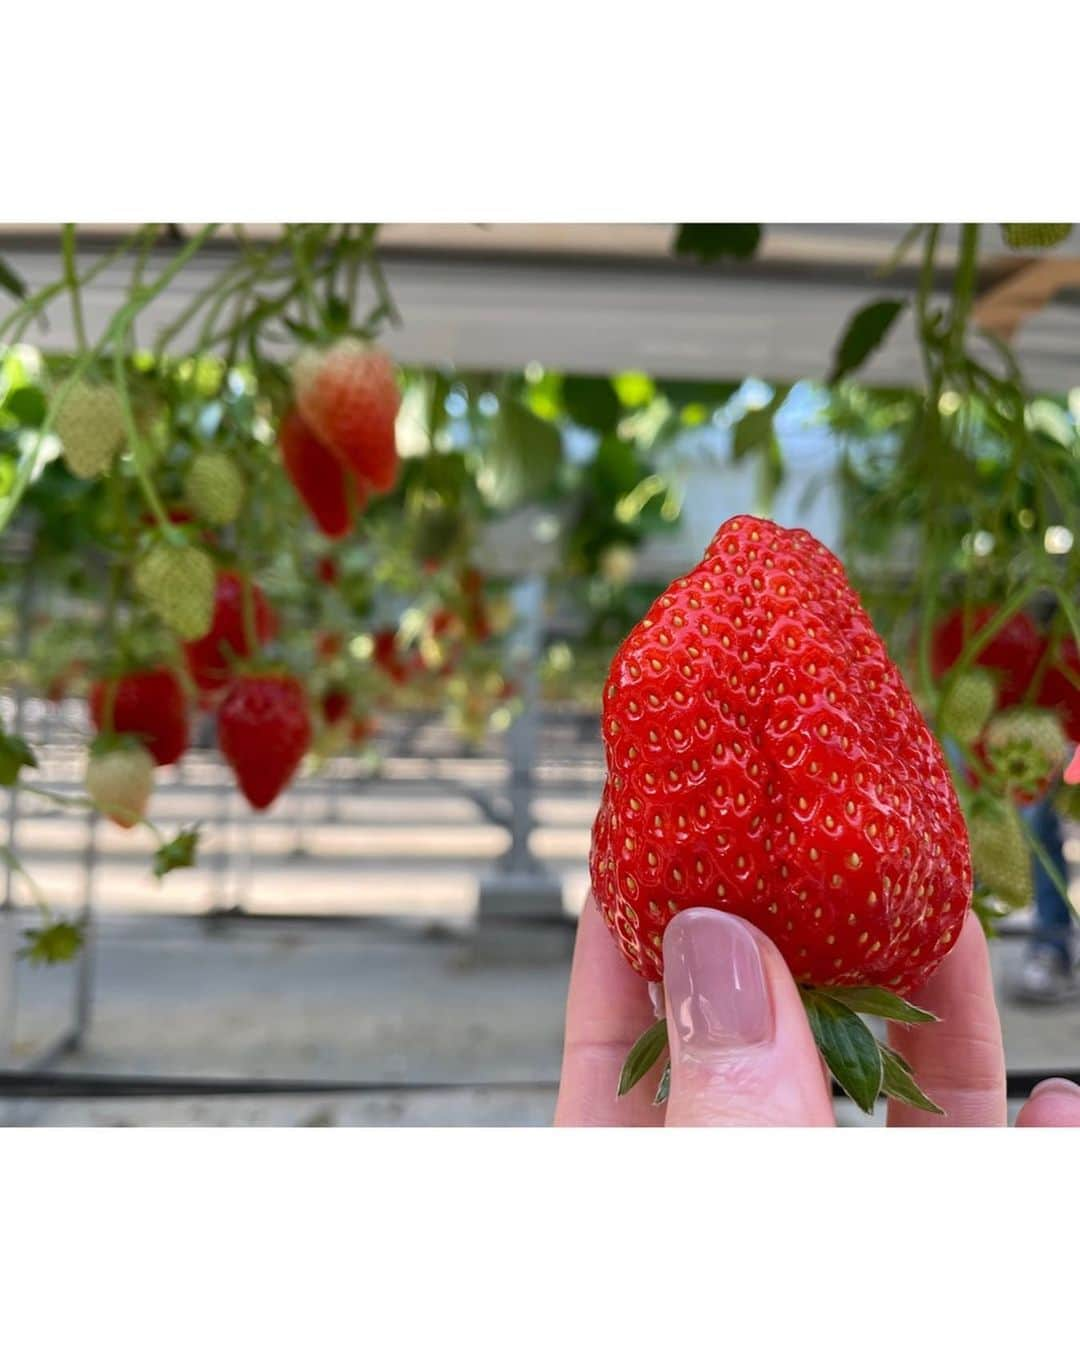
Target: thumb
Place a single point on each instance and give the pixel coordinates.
(741, 1048)
(1054, 1102)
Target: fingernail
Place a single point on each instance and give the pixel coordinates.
(715, 982)
(1058, 1086)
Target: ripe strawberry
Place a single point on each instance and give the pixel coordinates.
(1059, 688)
(211, 658)
(1026, 748)
(328, 571)
(388, 657)
(328, 646)
(150, 704)
(333, 497)
(91, 427)
(119, 780)
(999, 853)
(177, 583)
(764, 756)
(1011, 655)
(1072, 771)
(1035, 236)
(335, 704)
(264, 731)
(360, 728)
(348, 394)
(215, 487)
(968, 705)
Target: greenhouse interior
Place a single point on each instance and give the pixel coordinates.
(328, 557)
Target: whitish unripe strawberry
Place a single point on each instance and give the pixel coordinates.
(214, 487)
(119, 780)
(90, 424)
(1027, 747)
(177, 582)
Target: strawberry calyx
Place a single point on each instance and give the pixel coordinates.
(108, 742)
(863, 1066)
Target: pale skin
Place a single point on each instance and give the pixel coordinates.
(779, 1079)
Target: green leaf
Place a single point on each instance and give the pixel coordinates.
(866, 330)
(524, 458)
(880, 1003)
(54, 943)
(591, 403)
(897, 1082)
(754, 431)
(27, 405)
(15, 755)
(707, 243)
(664, 1087)
(11, 282)
(644, 1053)
(849, 1049)
(178, 852)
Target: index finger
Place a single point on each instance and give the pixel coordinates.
(607, 1009)
(958, 1061)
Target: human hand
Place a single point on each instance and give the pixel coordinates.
(741, 1048)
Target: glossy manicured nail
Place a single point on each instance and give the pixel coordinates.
(715, 983)
(1058, 1086)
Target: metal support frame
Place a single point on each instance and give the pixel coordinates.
(72, 1036)
(521, 886)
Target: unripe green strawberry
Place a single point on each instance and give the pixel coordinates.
(90, 424)
(968, 705)
(999, 853)
(214, 487)
(119, 780)
(177, 582)
(1035, 236)
(1027, 747)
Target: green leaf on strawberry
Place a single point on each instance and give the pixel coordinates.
(177, 852)
(880, 1003)
(899, 1082)
(53, 943)
(644, 1053)
(848, 1047)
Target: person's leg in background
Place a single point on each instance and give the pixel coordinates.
(1049, 971)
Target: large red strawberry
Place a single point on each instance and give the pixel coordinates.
(765, 757)
(150, 704)
(1059, 688)
(264, 731)
(211, 658)
(348, 394)
(1011, 655)
(333, 497)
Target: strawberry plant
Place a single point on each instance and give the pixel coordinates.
(252, 511)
